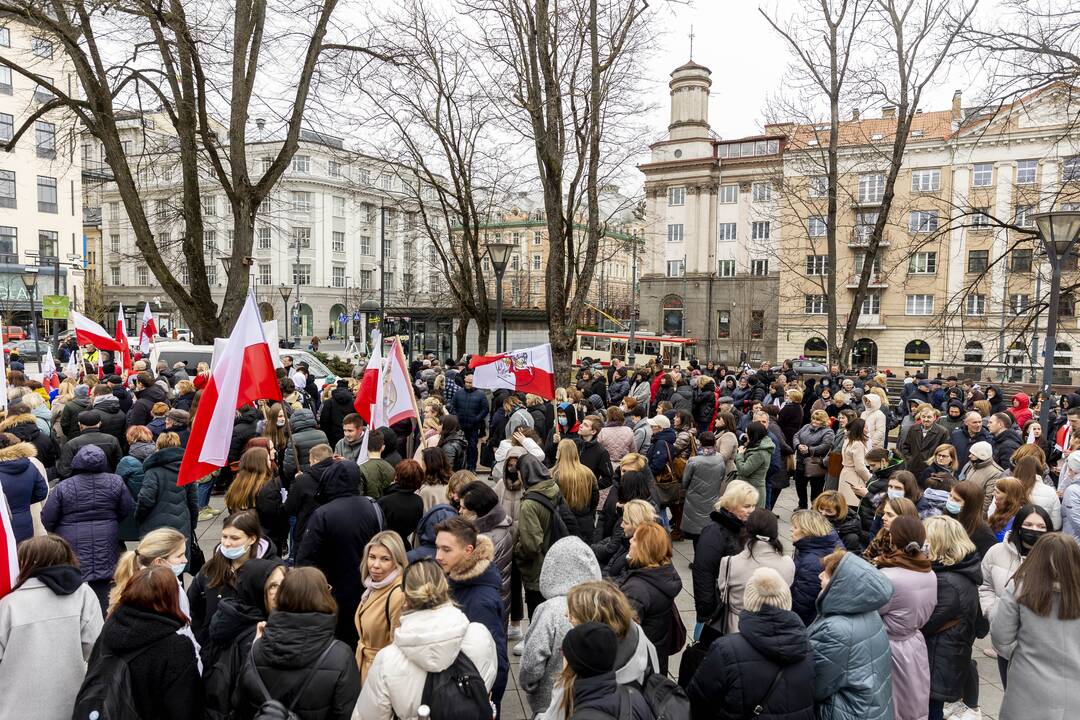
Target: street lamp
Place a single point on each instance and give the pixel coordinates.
(285, 291)
(1059, 232)
(30, 278)
(499, 252)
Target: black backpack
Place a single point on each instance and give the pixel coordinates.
(563, 523)
(626, 709)
(272, 709)
(667, 700)
(106, 690)
(457, 693)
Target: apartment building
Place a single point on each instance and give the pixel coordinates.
(40, 185)
(711, 231)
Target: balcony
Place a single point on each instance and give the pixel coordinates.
(870, 322)
(860, 237)
(866, 201)
(877, 280)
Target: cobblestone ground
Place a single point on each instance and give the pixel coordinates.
(516, 707)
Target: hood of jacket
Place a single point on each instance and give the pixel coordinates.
(850, 523)
(727, 519)
(766, 445)
(61, 579)
(473, 569)
(568, 562)
(872, 403)
(248, 607)
(819, 544)
(855, 588)
(130, 629)
(302, 419)
(107, 403)
(1022, 400)
(777, 634)
(295, 639)
(153, 394)
(970, 567)
(248, 414)
(496, 518)
(18, 451)
(24, 426)
(142, 450)
(342, 479)
(166, 457)
(90, 459)
(665, 435)
(425, 529)
(532, 471)
(664, 578)
(343, 397)
(431, 639)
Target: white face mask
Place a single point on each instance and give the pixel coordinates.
(281, 422)
(178, 570)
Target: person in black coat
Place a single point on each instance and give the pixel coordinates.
(738, 673)
(147, 392)
(719, 539)
(165, 681)
(1004, 437)
(651, 584)
(591, 651)
(333, 412)
(592, 454)
(121, 393)
(335, 537)
(300, 502)
(89, 434)
(299, 642)
(113, 420)
(834, 508)
(814, 538)
(401, 507)
(970, 432)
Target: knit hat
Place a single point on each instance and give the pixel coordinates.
(660, 421)
(82, 391)
(981, 450)
(178, 416)
(766, 587)
(1073, 463)
(589, 649)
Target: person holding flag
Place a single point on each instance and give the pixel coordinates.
(147, 330)
(122, 360)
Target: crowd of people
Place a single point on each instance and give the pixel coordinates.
(374, 573)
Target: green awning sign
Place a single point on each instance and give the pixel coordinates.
(55, 307)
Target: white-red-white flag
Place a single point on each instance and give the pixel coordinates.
(49, 376)
(244, 373)
(9, 560)
(529, 370)
(3, 379)
(147, 331)
(369, 383)
(394, 398)
(88, 332)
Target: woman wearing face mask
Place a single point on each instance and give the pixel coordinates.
(241, 540)
(1004, 559)
(256, 487)
(966, 505)
(381, 605)
(882, 544)
(274, 425)
(901, 484)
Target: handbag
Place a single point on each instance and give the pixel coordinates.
(814, 467)
(836, 464)
(668, 489)
(694, 653)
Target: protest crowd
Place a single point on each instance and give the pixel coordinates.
(375, 572)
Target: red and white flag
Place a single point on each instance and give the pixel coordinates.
(88, 332)
(9, 560)
(369, 384)
(147, 331)
(394, 398)
(244, 373)
(529, 370)
(124, 350)
(3, 381)
(49, 377)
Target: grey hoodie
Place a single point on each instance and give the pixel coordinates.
(568, 562)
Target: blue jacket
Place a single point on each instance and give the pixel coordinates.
(661, 451)
(425, 532)
(476, 587)
(23, 485)
(852, 659)
(807, 585)
(470, 407)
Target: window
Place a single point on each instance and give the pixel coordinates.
(46, 194)
(114, 275)
(871, 304)
(142, 275)
(676, 268)
(337, 241)
(922, 263)
(983, 176)
(815, 305)
(1067, 304)
(7, 189)
(265, 163)
(1019, 303)
(676, 195)
(337, 277)
(871, 187)
(761, 191)
(978, 261)
(301, 236)
(535, 262)
(920, 304)
(266, 276)
(48, 244)
(41, 47)
(265, 206)
(365, 176)
(925, 180)
(301, 274)
(729, 194)
(301, 201)
(45, 136)
(819, 186)
(757, 324)
(860, 263)
(727, 231)
(366, 276)
(263, 236)
(114, 242)
(387, 248)
(816, 226)
(723, 324)
(209, 242)
(7, 126)
(209, 204)
(536, 238)
(339, 206)
(675, 232)
(923, 221)
(387, 182)
(42, 93)
(1023, 215)
(1070, 167)
(365, 244)
(1020, 260)
(515, 262)
(759, 267)
(301, 163)
(817, 264)
(1026, 171)
(388, 280)
(727, 268)
(5, 37)
(333, 168)
(980, 218)
(9, 240)
(976, 304)
(759, 230)
(5, 80)
(514, 237)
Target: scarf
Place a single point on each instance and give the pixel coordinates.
(911, 558)
(370, 586)
(708, 450)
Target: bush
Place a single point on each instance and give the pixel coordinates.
(341, 367)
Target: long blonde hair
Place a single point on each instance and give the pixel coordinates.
(160, 543)
(575, 480)
(253, 474)
(392, 542)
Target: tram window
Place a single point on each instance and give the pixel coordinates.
(676, 353)
(585, 342)
(618, 349)
(652, 348)
(602, 344)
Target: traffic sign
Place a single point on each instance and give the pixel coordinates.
(55, 307)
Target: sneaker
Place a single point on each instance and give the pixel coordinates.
(969, 714)
(954, 709)
(519, 648)
(207, 513)
(514, 633)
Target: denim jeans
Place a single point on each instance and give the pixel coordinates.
(203, 493)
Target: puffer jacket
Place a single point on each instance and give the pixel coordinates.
(161, 503)
(245, 428)
(499, 528)
(852, 661)
(998, 566)
(425, 532)
(950, 631)
(23, 485)
(285, 655)
(69, 416)
(719, 539)
(569, 562)
(683, 398)
(86, 510)
(818, 442)
(851, 533)
(704, 404)
(753, 465)
(130, 470)
(618, 440)
(807, 584)
(739, 669)
(140, 414)
(876, 423)
(470, 407)
(1005, 444)
(652, 593)
(912, 603)
(702, 478)
(454, 447)
(113, 420)
(427, 641)
(305, 436)
(475, 587)
(332, 413)
(25, 428)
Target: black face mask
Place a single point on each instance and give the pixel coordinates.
(1029, 537)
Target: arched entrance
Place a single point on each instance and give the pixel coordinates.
(816, 349)
(671, 313)
(916, 352)
(339, 326)
(304, 319)
(864, 353)
(267, 311)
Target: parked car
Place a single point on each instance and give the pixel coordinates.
(809, 367)
(172, 352)
(30, 349)
(12, 332)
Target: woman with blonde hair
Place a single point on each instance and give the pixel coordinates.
(256, 487)
(381, 605)
(719, 539)
(651, 585)
(814, 537)
(882, 542)
(432, 633)
(579, 489)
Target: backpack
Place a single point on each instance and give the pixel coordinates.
(667, 700)
(626, 708)
(106, 690)
(272, 709)
(457, 693)
(563, 522)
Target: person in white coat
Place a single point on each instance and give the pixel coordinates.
(48, 625)
(876, 424)
(431, 635)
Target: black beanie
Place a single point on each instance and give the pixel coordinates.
(590, 649)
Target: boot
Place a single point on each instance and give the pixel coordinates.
(676, 522)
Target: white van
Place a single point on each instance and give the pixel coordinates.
(171, 352)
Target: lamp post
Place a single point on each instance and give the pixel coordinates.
(499, 252)
(285, 291)
(30, 278)
(633, 306)
(1059, 232)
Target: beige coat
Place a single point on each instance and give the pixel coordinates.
(726, 446)
(855, 473)
(376, 619)
(743, 566)
(433, 495)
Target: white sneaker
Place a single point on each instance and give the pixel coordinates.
(969, 714)
(514, 633)
(954, 708)
(519, 648)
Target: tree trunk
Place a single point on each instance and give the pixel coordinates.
(483, 334)
(460, 332)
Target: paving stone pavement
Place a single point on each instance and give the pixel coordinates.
(516, 707)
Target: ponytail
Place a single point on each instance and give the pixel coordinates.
(155, 544)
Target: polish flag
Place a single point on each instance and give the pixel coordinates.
(88, 332)
(9, 560)
(3, 384)
(530, 370)
(147, 331)
(49, 377)
(71, 370)
(243, 374)
(124, 349)
(394, 397)
(366, 393)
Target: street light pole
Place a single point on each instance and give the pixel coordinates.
(633, 305)
(30, 279)
(285, 291)
(499, 252)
